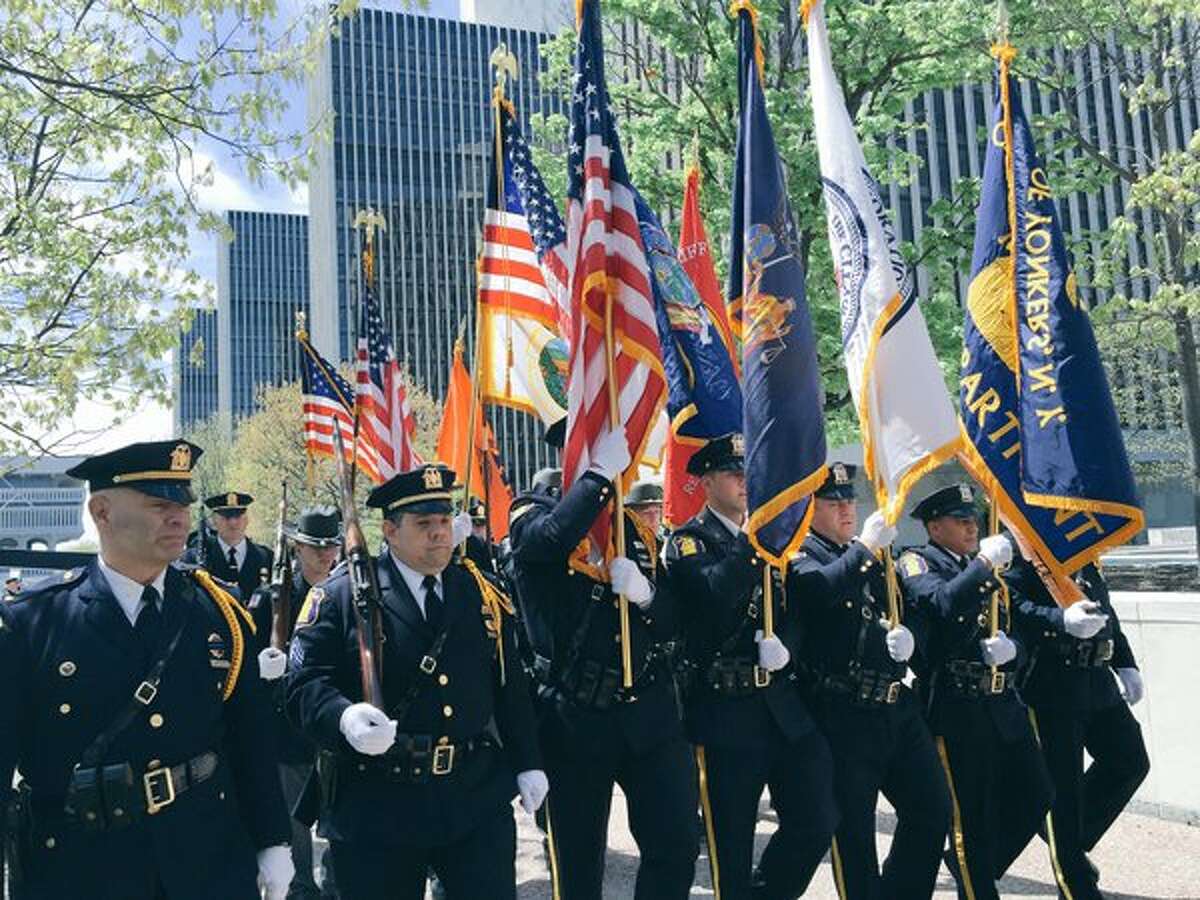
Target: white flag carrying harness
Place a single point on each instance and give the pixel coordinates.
(908, 422)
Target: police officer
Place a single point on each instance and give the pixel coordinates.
(479, 547)
(744, 711)
(145, 751)
(594, 732)
(979, 723)
(854, 663)
(228, 553)
(645, 501)
(427, 780)
(12, 584)
(315, 541)
(1082, 679)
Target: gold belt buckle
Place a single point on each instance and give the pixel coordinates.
(761, 677)
(998, 680)
(893, 692)
(443, 759)
(159, 787)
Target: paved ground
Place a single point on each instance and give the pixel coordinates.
(1141, 859)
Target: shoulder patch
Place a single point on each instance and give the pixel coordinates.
(519, 511)
(687, 545)
(311, 607)
(913, 564)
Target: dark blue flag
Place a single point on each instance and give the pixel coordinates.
(783, 419)
(704, 398)
(1043, 437)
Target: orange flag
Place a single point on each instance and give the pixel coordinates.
(452, 447)
(682, 495)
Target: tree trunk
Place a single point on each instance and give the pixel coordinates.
(1189, 379)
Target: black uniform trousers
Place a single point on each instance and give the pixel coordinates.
(992, 823)
(481, 864)
(888, 749)
(660, 791)
(799, 777)
(1087, 802)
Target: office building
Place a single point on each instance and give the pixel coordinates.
(194, 364)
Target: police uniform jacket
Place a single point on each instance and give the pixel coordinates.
(841, 595)
(1054, 676)
(947, 603)
(462, 700)
(295, 748)
(571, 616)
(259, 559)
(718, 577)
(70, 662)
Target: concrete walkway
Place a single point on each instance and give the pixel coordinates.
(1140, 859)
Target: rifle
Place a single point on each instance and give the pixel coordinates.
(364, 585)
(281, 581)
(202, 539)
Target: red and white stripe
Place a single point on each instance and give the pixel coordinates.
(321, 416)
(609, 265)
(386, 425)
(512, 280)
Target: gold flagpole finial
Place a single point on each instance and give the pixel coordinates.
(1002, 50)
(505, 64)
(368, 220)
(301, 325)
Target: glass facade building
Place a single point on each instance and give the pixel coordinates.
(408, 99)
(195, 371)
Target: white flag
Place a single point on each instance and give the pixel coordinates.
(908, 421)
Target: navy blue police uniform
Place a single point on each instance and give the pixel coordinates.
(872, 720)
(1073, 697)
(750, 727)
(593, 732)
(980, 724)
(179, 798)
(441, 796)
(256, 565)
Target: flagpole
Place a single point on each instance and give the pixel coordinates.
(614, 421)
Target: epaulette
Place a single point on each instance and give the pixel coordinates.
(51, 584)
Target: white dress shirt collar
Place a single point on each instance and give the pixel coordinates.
(129, 592)
(735, 528)
(239, 549)
(414, 580)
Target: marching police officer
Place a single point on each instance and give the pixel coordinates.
(316, 541)
(1078, 655)
(479, 547)
(594, 732)
(428, 780)
(645, 501)
(744, 711)
(854, 663)
(980, 726)
(229, 554)
(145, 750)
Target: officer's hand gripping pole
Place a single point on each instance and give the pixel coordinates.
(363, 585)
(614, 421)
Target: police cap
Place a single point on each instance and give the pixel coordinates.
(644, 493)
(839, 482)
(318, 526)
(723, 454)
(956, 500)
(425, 489)
(161, 469)
(228, 501)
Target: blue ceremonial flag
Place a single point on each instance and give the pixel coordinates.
(783, 419)
(704, 398)
(1041, 432)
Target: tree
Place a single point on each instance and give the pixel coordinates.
(268, 449)
(672, 76)
(1142, 268)
(104, 109)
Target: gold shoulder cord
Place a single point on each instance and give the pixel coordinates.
(230, 610)
(495, 604)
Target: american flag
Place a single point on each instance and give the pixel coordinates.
(328, 404)
(608, 268)
(386, 425)
(525, 243)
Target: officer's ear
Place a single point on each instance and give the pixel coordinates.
(100, 508)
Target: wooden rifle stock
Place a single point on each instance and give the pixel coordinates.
(363, 584)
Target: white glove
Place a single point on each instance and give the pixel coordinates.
(275, 871)
(1132, 685)
(629, 582)
(900, 643)
(997, 550)
(272, 663)
(1082, 620)
(876, 532)
(460, 528)
(533, 787)
(611, 456)
(998, 650)
(367, 728)
(772, 653)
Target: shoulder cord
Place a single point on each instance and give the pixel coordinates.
(227, 605)
(495, 604)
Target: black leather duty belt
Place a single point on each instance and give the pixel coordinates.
(867, 688)
(1092, 653)
(735, 677)
(971, 680)
(416, 758)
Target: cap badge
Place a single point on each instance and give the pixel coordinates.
(231, 499)
(738, 445)
(839, 474)
(964, 491)
(181, 458)
(433, 478)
